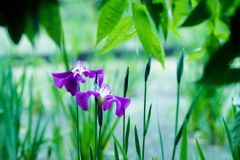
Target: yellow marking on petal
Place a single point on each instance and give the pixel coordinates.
(75, 74)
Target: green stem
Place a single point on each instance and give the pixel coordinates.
(99, 145)
(176, 122)
(78, 141)
(78, 135)
(144, 113)
(96, 131)
(123, 129)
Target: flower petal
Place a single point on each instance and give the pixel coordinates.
(57, 77)
(91, 74)
(121, 103)
(79, 65)
(83, 97)
(124, 103)
(71, 83)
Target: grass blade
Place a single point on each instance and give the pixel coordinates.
(71, 152)
(116, 151)
(160, 137)
(200, 152)
(229, 139)
(127, 135)
(184, 146)
(91, 153)
(148, 120)
(137, 145)
(120, 147)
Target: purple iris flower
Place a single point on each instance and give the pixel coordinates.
(71, 78)
(105, 99)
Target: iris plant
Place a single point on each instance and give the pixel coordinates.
(105, 99)
(70, 79)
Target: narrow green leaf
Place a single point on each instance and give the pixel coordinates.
(49, 17)
(160, 136)
(110, 15)
(71, 152)
(198, 15)
(180, 66)
(117, 34)
(143, 26)
(200, 152)
(91, 153)
(116, 151)
(137, 145)
(197, 54)
(184, 146)
(187, 117)
(236, 131)
(148, 120)
(127, 135)
(130, 35)
(178, 7)
(229, 139)
(157, 50)
(120, 147)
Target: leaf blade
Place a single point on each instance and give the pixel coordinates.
(110, 15)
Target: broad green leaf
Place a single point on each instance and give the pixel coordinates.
(217, 67)
(184, 146)
(127, 5)
(226, 4)
(148, 120)
(197, 54)
(16, 28)
(200, 152)
(115, 140)
(194, 3)
(154, 9)
(236, 100)
(174, 30)
(142, 26)
(198, 15)
(178, 9)
(137, 144)
(157, 50)
(164, 19)
(180, 66)
(224, 36)
(187, 117)
(130, 35)
(211, 44)
(30, 29)
(127, 135)
(116, 151)
(236, 131)
(229, 138)
(117, 34)
(49, 17)
(110, 15)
